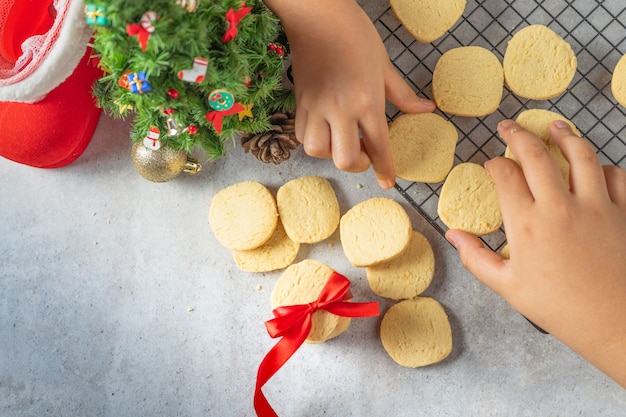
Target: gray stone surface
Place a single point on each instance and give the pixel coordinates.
(116, 300)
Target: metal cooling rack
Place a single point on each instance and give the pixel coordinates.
(596, 30)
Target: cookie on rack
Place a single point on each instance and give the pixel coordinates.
(618, 81)
(468, 81)
(538, 63)
(406, 276)
(428, 20)
(301, 283)
(243, 216)
(277, 253)
(422, 146)
(468, 200)
(374, 231)
(416, 332)
(538, 122)
(308, 209)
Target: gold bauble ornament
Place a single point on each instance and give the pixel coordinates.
(163, 164)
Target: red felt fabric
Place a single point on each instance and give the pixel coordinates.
(55, 131)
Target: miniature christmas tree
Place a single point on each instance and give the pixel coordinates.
(193, 72)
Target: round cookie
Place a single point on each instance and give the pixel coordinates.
(468, 81)
(277, 253)
(468, 200)
(302, 283)
(406, 276)
(538, 121)
(422, 146)
(428, 20)
(416, 332)
(538, 64)
(374, 231)
(243, 216)
(308, 208)
(618, 81)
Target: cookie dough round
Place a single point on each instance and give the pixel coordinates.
(243, 216)
(308, 208)
(422, 146)
(538, 63)
(416, 332)
(374, 231)
(406, 276)
(468, 81)
(538, 121)
(301, 283)
(428, 20)
(618, 81)
(277, 253)
(468, 200)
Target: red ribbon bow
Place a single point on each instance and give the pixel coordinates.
(293, 324)
(135, 29)
(217, 117)
(233, 18)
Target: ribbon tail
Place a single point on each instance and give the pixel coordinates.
(274, 360)
(346, 309)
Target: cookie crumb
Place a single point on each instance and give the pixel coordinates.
(331, 244)
(190, 309)
(259, 287)
(359, 186)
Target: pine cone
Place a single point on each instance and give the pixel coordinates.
(274, 145)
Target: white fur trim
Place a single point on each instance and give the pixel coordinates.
(59, 63)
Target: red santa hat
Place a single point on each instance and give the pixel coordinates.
(47, 111)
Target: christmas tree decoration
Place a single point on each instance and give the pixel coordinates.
(202, 59)
(197, 72)
(190, 5)
(163, 163)
(274, 145)
(234, 20)
(96, 15)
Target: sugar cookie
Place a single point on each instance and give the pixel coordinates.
(416, 332)
(406, 276)
(243, 216)
(468, 200)
(428, 20)
(277, 253)
(468, 81)
(618, 81)
(538, 63)
(301, 283)
(374, 231)
(308, 208)
(422, 146)
(538, 122)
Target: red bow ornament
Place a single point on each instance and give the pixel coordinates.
(293, 324)
(143, 30)
(216, 117)
(233, 18)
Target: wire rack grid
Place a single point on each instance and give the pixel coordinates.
(596, 30)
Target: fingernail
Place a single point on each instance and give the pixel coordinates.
(560, 124)
(426, 101)
(450, 238)
(386, 184)
(506, 123)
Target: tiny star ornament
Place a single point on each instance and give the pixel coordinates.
(162, 164)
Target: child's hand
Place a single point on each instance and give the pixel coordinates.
(342, 74)
(567, 270)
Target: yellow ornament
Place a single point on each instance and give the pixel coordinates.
(163, 164)
(246, 112)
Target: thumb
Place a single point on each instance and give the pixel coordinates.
(486, 265)
(402, 95)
